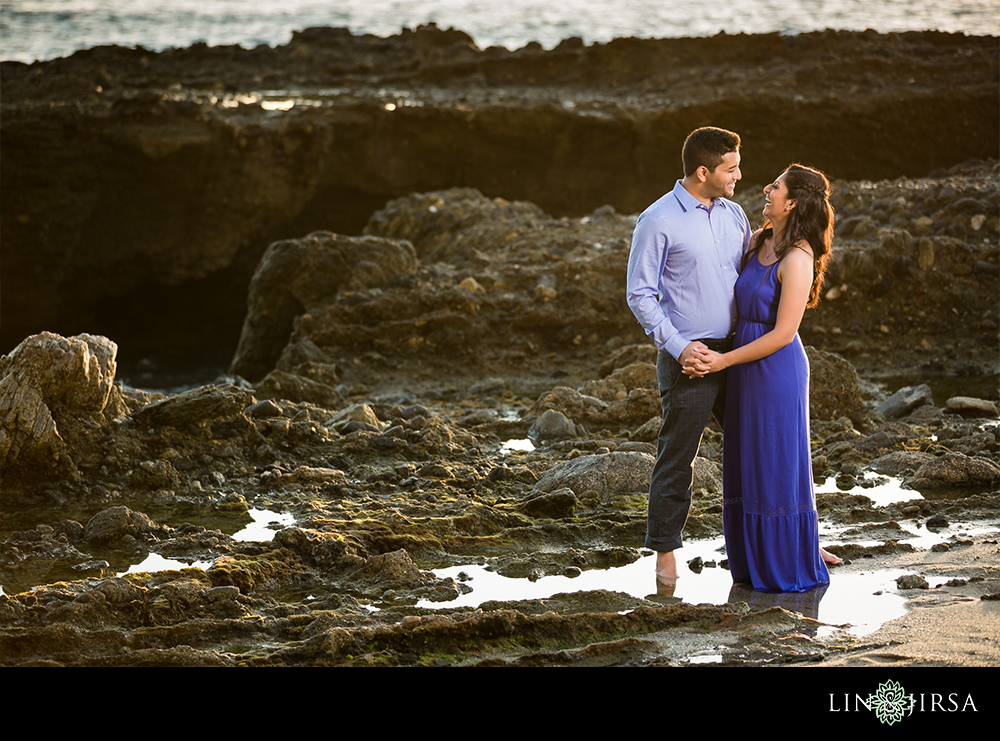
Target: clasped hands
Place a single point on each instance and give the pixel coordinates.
(698, 361)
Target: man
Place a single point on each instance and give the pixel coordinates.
(685, 258)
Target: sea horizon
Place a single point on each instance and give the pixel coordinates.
(39, 30)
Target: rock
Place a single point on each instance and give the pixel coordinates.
(471, 285)
(552, 425)
(643, 353)
(972, 407)
(856, 227)
(569, 402)
(281, 385)
(649, 430)
(834, 389)
(488, 386)
(553, 504)
(115, 523)
(955, 470)
(394, 569)
(358, 413)
(296, 276)
(618, 384)
(707, 475)
(925, 253)
(937, 522)
(905, 400)
(445, 225)
(263, 410)
(899, 461)
(610, 475)
(155, 475)
(45, 380)
(314, 475)
(912, 581)
(196, 405)
(890, 435)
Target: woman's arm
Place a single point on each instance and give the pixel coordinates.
(795, 273)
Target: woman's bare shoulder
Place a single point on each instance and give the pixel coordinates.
(803, 246)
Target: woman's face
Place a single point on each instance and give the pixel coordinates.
(777, 204)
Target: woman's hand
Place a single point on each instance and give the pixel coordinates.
(704, 361)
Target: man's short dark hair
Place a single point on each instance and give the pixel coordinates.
(707, 146)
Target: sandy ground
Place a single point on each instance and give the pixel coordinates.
(946, 626)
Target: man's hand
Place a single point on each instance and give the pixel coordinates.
(693, 360)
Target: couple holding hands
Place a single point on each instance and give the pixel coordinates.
(723, 304)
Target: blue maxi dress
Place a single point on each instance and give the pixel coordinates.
(769, 508)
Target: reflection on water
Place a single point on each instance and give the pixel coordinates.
(517, 446)
(886, 490)
(265, 524)
(864, 601)
(860, 602)
(261, 530)
(154, 562)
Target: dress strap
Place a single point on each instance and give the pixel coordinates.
(767, 273)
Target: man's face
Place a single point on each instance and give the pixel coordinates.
(722, 181)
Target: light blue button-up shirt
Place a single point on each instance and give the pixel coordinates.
(682, 268)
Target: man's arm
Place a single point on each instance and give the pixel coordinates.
(645, 269)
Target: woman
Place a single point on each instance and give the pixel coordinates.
(769, 510)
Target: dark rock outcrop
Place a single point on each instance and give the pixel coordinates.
(156, 180)
(297, 276)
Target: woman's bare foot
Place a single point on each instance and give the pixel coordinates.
(829, 557)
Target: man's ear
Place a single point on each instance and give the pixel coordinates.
(702, 173)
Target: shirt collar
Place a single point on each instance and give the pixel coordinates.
(689, 202)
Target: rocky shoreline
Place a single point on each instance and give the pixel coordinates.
(381, 369)
(141, 188)
(372, 421)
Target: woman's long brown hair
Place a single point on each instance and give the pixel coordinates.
(811, 220)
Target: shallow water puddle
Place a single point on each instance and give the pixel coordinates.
(860, 602)
(265, 524)
(154, 563)
(864, 601)
(261, 530)
(887, 489)
(517, 446)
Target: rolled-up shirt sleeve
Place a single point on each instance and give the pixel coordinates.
(646, 261)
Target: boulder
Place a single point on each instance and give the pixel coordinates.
(46, 380)
(611, 474)
(900, 461)
(617, 385)
(294, 387)
(550, 504)
(955, 470)
(298, 275)
(906, 400)
(972, 407)
(196, 405)
(834, 389)
(552, 425)
(114, 523)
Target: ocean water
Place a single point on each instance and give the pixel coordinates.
(44, 29)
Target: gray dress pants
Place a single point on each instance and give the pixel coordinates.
(687, 404)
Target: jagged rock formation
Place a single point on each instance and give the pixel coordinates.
(140, 189)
